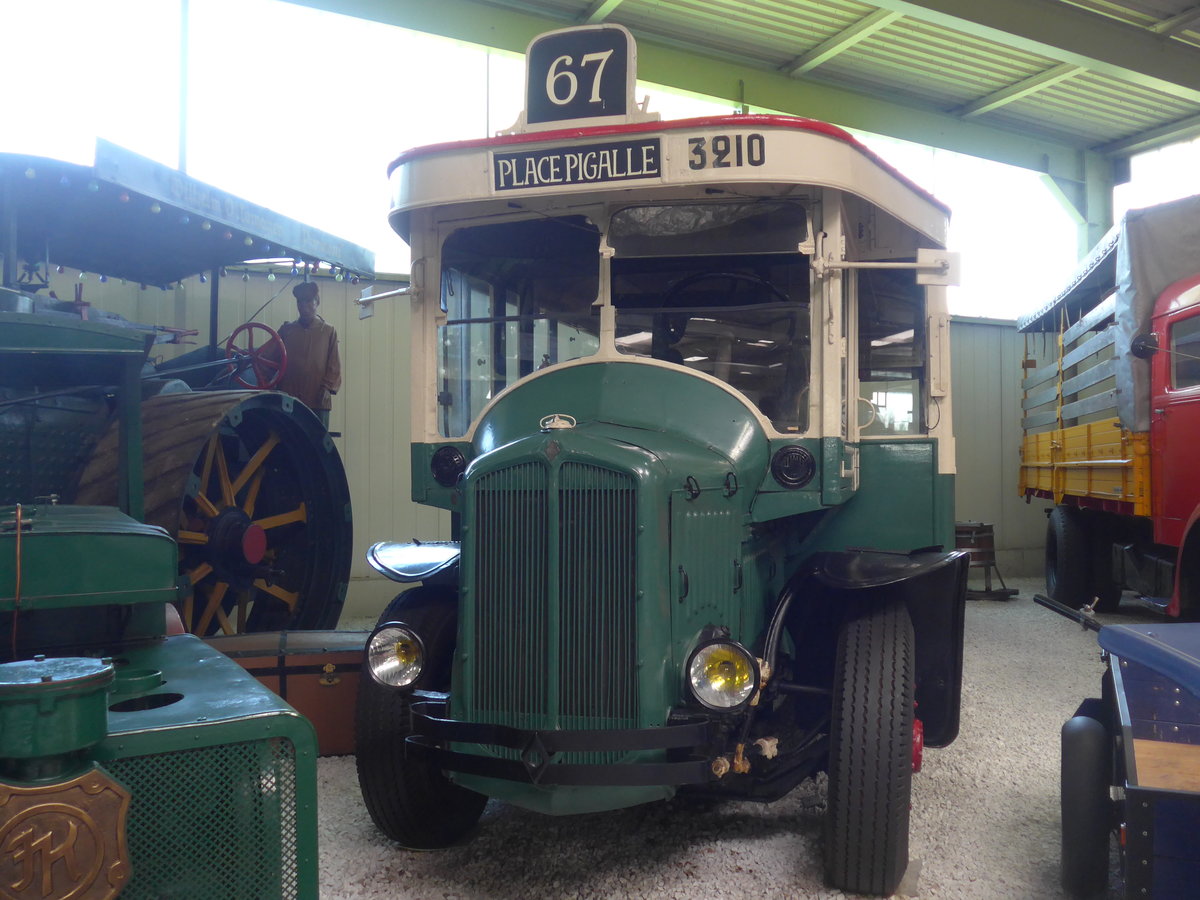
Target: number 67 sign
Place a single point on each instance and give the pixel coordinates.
(580, 73)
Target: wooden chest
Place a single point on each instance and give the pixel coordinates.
(315, 671)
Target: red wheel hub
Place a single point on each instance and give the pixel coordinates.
(254, 544)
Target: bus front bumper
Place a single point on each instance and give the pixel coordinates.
(683, 742)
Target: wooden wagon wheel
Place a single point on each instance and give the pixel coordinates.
(253, 490)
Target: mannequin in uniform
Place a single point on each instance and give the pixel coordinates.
(314, 369)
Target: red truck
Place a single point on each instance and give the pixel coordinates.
(1112, 421)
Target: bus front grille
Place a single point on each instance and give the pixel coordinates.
(553, 597)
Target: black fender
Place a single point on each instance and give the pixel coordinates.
(932, 585)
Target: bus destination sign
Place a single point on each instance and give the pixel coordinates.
(586, 164)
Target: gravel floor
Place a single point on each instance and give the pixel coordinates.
(985, 818)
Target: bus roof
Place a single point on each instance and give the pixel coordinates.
(508, 141)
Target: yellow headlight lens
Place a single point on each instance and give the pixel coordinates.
(723, 675)
(395, 656)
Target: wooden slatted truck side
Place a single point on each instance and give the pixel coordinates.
(1112, 419)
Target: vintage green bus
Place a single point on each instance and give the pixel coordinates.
(684, 388)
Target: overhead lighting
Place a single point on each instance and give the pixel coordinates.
(635, 339)
(900, 337)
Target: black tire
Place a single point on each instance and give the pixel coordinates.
(1099, 530)
(411, 801)
(1066, 557)
(1108, 595)
(870, 752)
(1085, 804)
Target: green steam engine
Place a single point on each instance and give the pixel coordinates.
(134, 759)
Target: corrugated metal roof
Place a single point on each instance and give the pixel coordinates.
(952, 56)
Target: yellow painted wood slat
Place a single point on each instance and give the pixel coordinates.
(1097, 460)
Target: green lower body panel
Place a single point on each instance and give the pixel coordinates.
(902, 503)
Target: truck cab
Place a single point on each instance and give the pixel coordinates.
(1175, 410)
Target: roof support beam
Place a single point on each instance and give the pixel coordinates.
(1177, 23)
(680, 67)
(599, 11)
(840, 42)
(1070, 35)
(1181, 130)
(1023, 88)
(1089, 201)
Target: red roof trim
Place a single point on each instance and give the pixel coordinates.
(740, 121)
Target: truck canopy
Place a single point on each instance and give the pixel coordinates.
(130, 217)
(1141, 256)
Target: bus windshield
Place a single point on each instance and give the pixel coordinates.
(720, 288)
(518, 297)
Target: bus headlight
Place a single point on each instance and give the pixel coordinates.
(723, 675)
(395, 655)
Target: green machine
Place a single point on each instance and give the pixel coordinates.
(244, 479)
(132, 763)
(135, 760)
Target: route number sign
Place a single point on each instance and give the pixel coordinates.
(580, 73)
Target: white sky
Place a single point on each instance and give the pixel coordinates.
(301, 110)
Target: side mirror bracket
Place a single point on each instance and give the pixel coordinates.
(1145, 345)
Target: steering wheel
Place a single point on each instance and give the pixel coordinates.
(684, 283)
(872, 409)
(267, 359)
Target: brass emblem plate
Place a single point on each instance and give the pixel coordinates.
(64, 841)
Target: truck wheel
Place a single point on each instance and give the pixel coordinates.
(1066, 557)
(870, 752)
(410, 801)
(1107, 593)
(1104, 587)
(1085, 804)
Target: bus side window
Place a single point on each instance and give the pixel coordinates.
(891, 350)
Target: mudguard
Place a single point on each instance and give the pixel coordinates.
(430, 561)
(933, 585)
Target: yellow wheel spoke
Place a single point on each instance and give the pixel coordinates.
(206, 471)
(205, 506)
(252, 493)
(202, 502)
(223, 621)
(299, 514)
(255, 461)
(196, 574)
(223, 477)
(215, 596)
(288, 597)
(191, 537)
(188, 606)
(243, 610)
